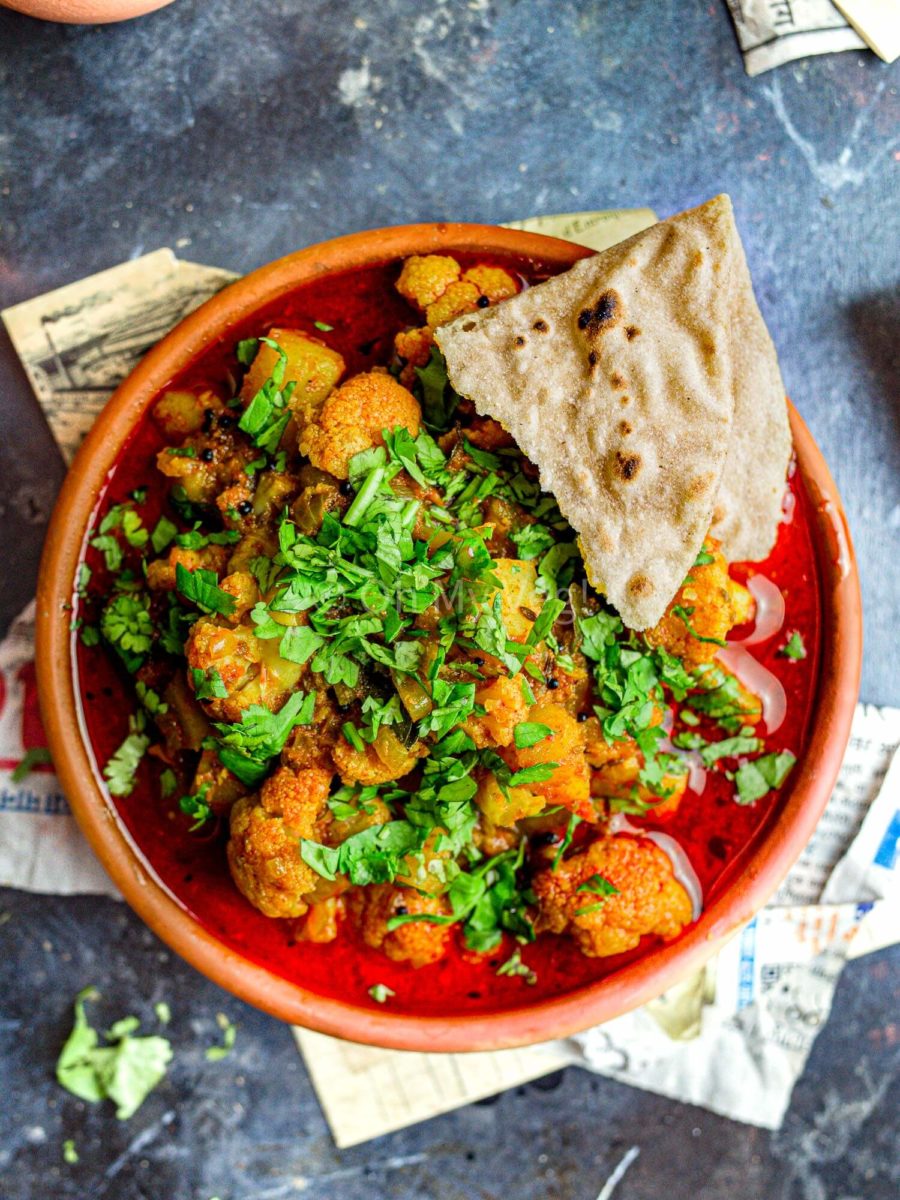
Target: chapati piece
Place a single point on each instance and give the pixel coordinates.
(751, 493)
(617, 380)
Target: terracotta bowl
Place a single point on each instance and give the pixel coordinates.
(767, 860)
(84, 12)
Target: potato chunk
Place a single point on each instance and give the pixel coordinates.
(314, 367)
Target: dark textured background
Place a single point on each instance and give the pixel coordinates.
(237, 130)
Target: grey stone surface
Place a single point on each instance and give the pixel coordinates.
(238, 130)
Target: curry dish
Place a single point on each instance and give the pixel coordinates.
(370, 671)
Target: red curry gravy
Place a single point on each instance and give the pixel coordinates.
(365, 312)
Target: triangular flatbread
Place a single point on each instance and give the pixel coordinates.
(617, 379)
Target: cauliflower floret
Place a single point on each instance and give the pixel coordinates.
(426, 277)
(710, 603)
(493, 282)
(161, 572)
(385, 760)
(414, 345)
(569, 784)
(417, 942)
(264, 850)
(459, 298)
(648, 899)
(352, 418)
(251, 669)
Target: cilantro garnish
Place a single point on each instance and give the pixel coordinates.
(515, 966)
(574, 822)
(597, 885)
(529, 733)
(195, 806)
(755, 778)
(120, 771)
(208, 684)
(742, 743)
(202, 587)
(794, 647)
(266, 416)
(322, 327)
(439, 400)
(380, 992)
(125, 1071)
(246, 351)
(261, 734)
(35, 757)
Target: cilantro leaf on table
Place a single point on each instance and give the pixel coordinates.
(229, 1034)
(35, 757)
(126, 1071)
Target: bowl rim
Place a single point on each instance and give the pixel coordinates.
(775, 847)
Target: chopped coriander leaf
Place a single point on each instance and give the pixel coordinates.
(597, 885)
(351, 735)
(439, 400)
(167, 782)
(111, 550)
(246, 351)
(684, 615)
(515, 966)
(794, 648)
(320, 325)
(298, 643)
(704, 558)
(125, 1071)
(574, 822)
(261, 734)
(557, 567)
(163, 533)
(35, 757)
(163, 1012)
(208, 684)
(202, 587)
(532, 540)
(90, 635)
(229, 1033)
(70, 1154)
(182, 451)
(380, 992)
(120, 771)
(755, 778)
(82, 579)
(266, 416)
(539, 773)
(126, 624)
(529, 733)
(195, 806)
(742, 743)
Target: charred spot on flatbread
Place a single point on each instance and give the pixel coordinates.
(519, 341)
(639, 587)
(631, 332)
(625, 428)
(540, 326)
(616, 381)
(625, 466)
(605, 313)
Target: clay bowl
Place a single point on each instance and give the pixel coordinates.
(766, 861)
(84, 12)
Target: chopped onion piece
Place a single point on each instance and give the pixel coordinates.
(760, 681)
(769, 610)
